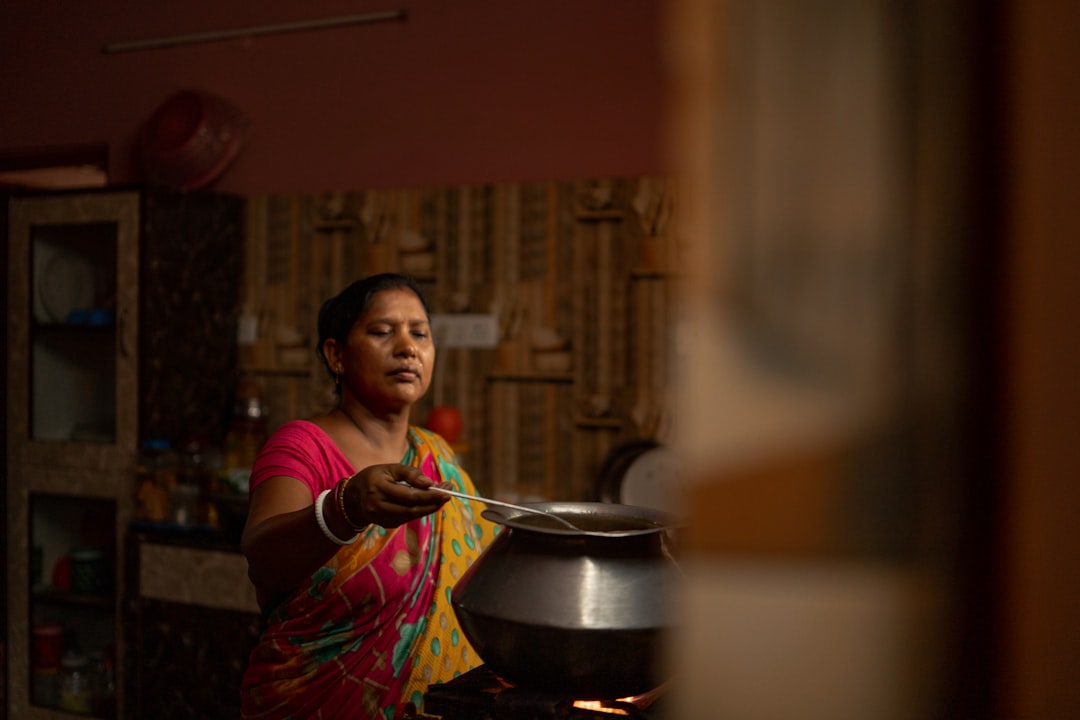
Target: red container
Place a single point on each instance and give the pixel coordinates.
(446, 420)
(48, 646)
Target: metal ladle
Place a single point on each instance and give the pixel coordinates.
(511, 506)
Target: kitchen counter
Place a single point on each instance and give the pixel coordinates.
(190, 566)
(190, 622)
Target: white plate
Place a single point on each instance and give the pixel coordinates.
(653, 480)
(66, 283)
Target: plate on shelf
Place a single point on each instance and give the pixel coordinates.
(644, 473)
(66, 283)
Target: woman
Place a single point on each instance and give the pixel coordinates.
(352, 557)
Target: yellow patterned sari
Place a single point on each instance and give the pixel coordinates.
(373, 627)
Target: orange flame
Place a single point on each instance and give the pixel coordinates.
(597, 706)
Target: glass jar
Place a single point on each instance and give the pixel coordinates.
(46, 651)
(76, 691)
(155, 479)
(88, 576)
(103, 684)
(245, 437)
(48, 646)
(200, 463)
(185, 504)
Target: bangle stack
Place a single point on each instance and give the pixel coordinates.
(340, 492)
(321, 519)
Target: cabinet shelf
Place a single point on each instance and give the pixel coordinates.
(85, 385)
(54, 326)
(42, 713)
(56, 596)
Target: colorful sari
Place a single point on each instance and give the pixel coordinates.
(373, 627)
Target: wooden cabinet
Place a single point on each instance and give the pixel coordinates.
(72, 324)
(191, 621)
(121, 327)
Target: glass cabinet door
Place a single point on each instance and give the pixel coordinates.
(72, 611)
(73, 278)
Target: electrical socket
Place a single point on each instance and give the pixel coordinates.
(465, 330)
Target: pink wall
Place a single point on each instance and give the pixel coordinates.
(463, 91)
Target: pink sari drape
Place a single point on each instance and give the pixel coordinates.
(373, 627)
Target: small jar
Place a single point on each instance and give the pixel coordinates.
(88, 571)
(76, 691)
(185, 504)
(103, 683)
(200, 463)
(245, 437)
(48, 646)
(44, 686)
(155, 479)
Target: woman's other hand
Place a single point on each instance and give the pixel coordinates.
(389, 495)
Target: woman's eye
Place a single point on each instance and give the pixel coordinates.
(419, 334)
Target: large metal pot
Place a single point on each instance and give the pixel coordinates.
(575, 613)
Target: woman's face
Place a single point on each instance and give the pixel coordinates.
(389, 355)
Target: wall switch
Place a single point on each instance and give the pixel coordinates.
(247, 329)
(465, 330)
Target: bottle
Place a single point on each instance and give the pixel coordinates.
(155, 479)
(103, 685)
(184, 504)
(44, 686)
(246, 435)
(75, 690)
(200, 463)
(46, 651)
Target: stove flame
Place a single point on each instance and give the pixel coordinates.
(639, 702)
(597, 706)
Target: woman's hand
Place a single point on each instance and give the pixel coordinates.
(389, 495)
(284, 545)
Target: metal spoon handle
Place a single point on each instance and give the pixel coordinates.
(511, 506)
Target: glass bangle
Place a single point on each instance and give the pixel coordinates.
(321, 520)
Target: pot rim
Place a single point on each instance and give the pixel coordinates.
(655, 521)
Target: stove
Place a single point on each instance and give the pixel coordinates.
(480, 694)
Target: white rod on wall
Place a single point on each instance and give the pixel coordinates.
(214, 35)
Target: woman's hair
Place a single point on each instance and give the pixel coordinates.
(339, 313)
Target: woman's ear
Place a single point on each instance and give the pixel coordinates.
(331, 352)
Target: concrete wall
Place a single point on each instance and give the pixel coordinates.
(460, 92)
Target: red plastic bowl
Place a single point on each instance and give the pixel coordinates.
(191, 139)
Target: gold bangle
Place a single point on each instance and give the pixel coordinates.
(340, 492)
